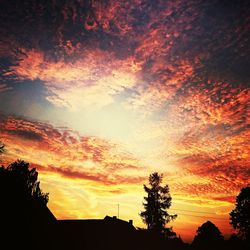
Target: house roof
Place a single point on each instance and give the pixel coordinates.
(107, 225)
(107, 233)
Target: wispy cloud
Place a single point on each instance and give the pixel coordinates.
(67, 153)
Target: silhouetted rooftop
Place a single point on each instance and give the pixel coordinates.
(95, 224)
(95, 233)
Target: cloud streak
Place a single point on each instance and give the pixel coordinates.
(67, 153)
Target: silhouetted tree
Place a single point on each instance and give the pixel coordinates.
(240, 216)
(24, 216)
(22, 181)
(208, 237)
(157, 201)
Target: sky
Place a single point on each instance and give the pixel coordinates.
(99, 94)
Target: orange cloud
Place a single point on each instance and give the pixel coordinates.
(67, 153)
(97, 80)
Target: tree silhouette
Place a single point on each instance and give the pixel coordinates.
(208, 237)
(240, 216)
(158, 199)
(20, 181)
(23, 212)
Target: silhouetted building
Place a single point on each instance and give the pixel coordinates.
(30, 227)
(107, 233)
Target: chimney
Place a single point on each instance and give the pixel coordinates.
(114, 217)
(130, 222)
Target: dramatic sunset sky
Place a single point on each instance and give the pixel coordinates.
(99, 94)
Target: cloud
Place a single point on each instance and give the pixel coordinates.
(160, 57)
(229, 199)
(106, 179)
(81, 83)
(154, 49)
(68, 154)
(27, 135)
